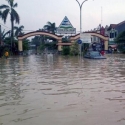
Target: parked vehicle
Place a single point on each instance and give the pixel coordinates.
(94, 55)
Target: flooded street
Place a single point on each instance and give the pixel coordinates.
(57, 90)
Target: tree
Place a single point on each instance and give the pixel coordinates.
(26, 44)
(0, 14)
(9, 10)
(66, 39)
(3, 35)
(51, 27)
(18, 30)
(74, 49)
(66, 50)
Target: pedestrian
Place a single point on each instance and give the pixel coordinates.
(6, 54)
(102, 52)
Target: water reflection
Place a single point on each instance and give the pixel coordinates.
(51, 89)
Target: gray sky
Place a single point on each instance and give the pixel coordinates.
(34, 14)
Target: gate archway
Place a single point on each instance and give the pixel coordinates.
(105, 38)
(21, 37)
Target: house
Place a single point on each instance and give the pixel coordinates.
(113, 31)
(120, 27)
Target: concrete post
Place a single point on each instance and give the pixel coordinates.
(106, 45)
(59, 46)
(20, 46)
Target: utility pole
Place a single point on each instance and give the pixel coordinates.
(80, 6)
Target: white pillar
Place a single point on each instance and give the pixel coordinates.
(106, 45)
(20, 46)
(59, 46)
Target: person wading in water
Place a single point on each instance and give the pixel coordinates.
(6, 54)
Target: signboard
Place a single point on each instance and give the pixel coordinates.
(86, 38)
(66, 31)
(79, 41)
(66, 27)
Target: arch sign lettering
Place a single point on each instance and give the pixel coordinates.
(66, 27)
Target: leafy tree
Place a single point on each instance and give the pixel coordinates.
(66, 39)
(0, 14)
(10, 10)
(51, 27)
(66, 50)
(74, 49)
(3, 49)
(4, 34)
(7, 40)
(18, 30)
(42, 46)
(36, 40)
(25, 44)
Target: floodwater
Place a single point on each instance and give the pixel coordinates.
(57, 90)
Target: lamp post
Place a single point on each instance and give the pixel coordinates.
(80, 6)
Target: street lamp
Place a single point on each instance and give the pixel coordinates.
(80, 6)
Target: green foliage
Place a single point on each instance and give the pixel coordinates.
(65, 39)
(18, 30)
(9, 9)
(3, 49)
(36, 40)
(50, 45)
(51, 27)
(25, 44)
(74, 49)
(66, 50)
(4, 34)
(42, 46)
(7, 41)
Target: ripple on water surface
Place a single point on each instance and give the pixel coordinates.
(51, 89)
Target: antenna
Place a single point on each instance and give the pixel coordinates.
(101, 15)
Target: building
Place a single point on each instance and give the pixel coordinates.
(113, 31)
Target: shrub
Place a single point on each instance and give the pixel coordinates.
(66, 50)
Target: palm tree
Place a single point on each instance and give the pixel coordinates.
(51, 27)
(9, 10)
(4, 34)
(0, 14)
(18, 30)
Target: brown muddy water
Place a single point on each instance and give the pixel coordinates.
(55, 90)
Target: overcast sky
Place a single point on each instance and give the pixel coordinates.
(34, 14)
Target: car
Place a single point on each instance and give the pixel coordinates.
(94, 55)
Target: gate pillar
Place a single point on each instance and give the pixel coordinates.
(106, 45)
(20, 46)
(59, 45)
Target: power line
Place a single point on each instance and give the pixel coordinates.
(4, 26)
(28, 30)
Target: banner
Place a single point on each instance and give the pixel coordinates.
(85, 37)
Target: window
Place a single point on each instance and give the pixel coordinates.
(115, 34)
(112, 35)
